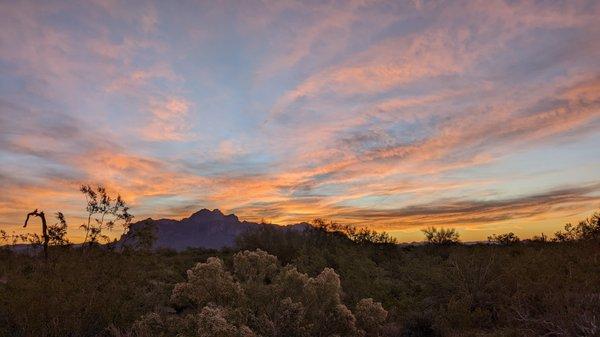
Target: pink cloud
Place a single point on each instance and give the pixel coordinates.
(168, 121)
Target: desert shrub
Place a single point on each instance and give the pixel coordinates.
(261, 298)
(214, 321)
(442, 236)
(504, 239)
(564, 314)
(530, 289)
(255, 267)
(217, 284)
(57, 233)
(588, 229)
(79, 295)
(472, 303)
(4, 238)
(541, 239)
(311, 250)
(360, 235)
(370, 316)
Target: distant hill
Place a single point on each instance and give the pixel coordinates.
(203, 229)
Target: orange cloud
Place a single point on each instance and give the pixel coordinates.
(375, 112)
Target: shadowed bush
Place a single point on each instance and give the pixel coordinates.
(321, 283)
(258, 297)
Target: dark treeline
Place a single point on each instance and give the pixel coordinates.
(324, 280)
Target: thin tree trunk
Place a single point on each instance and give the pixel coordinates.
(45, 236)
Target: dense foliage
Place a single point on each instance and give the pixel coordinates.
(258, 297)
(312, 282)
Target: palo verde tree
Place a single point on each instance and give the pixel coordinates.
(104, 212)
(442, 236)
(361, 235)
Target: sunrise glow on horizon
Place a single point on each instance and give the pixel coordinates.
(396, 115)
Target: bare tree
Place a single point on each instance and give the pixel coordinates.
(45, 236)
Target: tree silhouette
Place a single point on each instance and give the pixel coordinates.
(57, 233)
(506, 239)
(442, 236)
(44, 229)
(105, 211)
(588, 229)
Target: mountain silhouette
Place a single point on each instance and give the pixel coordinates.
(203, 229)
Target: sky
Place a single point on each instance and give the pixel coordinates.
(478, 115)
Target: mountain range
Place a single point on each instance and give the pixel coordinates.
(203, 229)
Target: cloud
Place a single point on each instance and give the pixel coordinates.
(466, 140)
(476, 212)
(168, 121)
(136, 79)
(395, 114)
(442, 212)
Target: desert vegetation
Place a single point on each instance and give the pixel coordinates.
(325, 280)
(256, 296)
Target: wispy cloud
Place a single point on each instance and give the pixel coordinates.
(387, 113)
(452, 212)
(168, 121)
